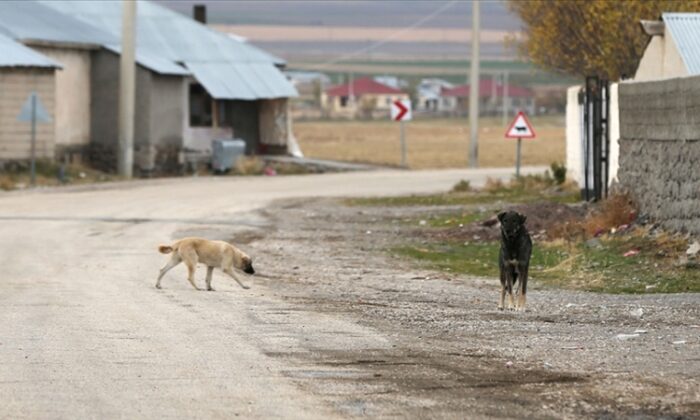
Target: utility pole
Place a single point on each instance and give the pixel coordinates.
(506, 98)
(474, 90)
(127, 88)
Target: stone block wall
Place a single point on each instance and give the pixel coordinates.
(660, 150)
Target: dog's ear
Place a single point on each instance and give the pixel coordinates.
(501, 215)
(523, 218)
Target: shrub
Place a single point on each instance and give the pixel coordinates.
(558, 172)
(462, 186)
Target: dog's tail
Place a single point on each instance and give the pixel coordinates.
(165, 249)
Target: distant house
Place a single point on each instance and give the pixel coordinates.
(391, 81)
(363, 97)
(193, 84)
(673, 49)
(491, 98)
(429, 96)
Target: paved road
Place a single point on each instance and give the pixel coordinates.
(83, 332)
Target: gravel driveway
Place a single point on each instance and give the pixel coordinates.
(333, 327)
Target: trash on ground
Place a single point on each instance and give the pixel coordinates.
(630, 253)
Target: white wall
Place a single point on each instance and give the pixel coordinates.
(614, 133)
(574, 152)
(574, 135)
(661, 60)
(72, 94)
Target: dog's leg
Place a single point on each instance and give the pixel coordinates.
(503, 290)
(522, 289)
(191, 267)
(210, 271)
(175, 260)
(509, 287)
(233, 276)
(189, 256)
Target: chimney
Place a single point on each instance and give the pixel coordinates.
(200, 13)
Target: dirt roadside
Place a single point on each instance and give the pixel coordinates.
(452, 353)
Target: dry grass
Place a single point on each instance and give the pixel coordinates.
(431, 143)
(616, 210)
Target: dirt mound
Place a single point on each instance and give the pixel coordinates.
(540, 218)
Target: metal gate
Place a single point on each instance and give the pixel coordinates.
(595, 103)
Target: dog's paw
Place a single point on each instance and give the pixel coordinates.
(158, 286)
(211, 289)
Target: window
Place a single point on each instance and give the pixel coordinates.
(388, 100)
(200, 107)
(343, 101)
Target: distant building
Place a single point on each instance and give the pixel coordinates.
(391, 81)
(23, 71)
(364, 97)
(193, 84)
(673, 49)
(429, 96)
(491, 95)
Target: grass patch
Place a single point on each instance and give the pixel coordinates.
(477, 258)
(526, 189)
(457, 219)
(603, 268)
(17, 176)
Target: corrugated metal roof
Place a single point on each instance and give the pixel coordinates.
(685, 30)
(33, 21)
(29, 20)
(170, 34)
(228, 68)
(246, 81)
(154, 62)
(15, 54)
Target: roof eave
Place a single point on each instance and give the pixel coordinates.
(59, 44)
(653, 27)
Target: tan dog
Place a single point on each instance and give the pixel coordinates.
(214, 254)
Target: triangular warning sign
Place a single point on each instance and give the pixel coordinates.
(25, 114)
(520, 128)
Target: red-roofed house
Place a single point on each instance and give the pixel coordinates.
(364, 97)
(490, 98)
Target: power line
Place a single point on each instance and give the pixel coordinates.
(388, 39)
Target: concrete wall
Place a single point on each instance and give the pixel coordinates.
(104, 109)
(73, 93)
(660, 150)
(159, 114)
(167, 112)
(15, 137)
(275, 125)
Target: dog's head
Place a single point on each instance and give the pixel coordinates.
(512, 223)
(247, 265)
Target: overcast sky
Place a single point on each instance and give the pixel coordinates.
(378, 13)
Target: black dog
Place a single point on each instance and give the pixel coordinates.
(514, 258)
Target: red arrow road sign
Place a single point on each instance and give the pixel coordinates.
(402, 110)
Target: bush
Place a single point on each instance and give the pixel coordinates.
(462, 186)
(558, 172)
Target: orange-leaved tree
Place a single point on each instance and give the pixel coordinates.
(590, 37)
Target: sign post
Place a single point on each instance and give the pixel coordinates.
(519, 129)
(33, 111)
(401, 111)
